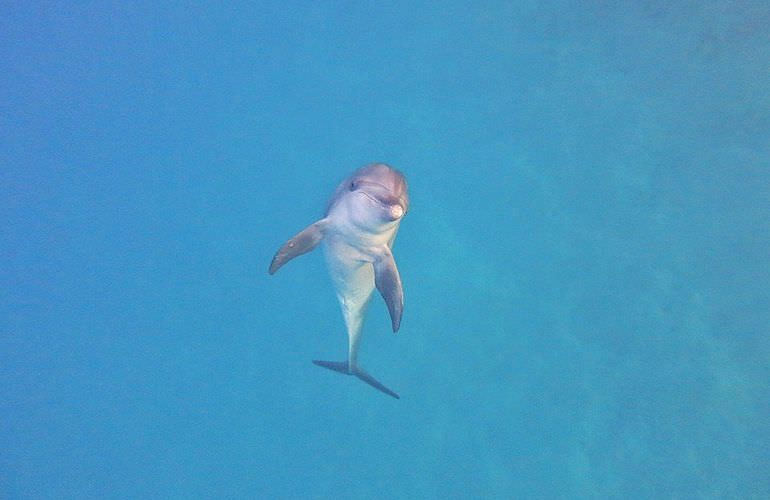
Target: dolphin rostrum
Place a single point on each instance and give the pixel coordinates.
(357, 233)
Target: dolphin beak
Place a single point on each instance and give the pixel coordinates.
(396, 207)
(396, 211)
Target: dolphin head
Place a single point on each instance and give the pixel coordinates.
(375, 195)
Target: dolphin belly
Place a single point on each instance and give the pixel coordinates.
(353, 281)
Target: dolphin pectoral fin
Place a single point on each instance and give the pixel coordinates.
(302, 242)
(389, 284)
(342, 367)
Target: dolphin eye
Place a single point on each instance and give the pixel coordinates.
(352, 186)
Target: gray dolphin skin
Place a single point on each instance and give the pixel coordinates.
(357, 234)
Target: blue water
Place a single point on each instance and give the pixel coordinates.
(585, 259)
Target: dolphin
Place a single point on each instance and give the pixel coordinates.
(357, 233)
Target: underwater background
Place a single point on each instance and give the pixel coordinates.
(585, 260)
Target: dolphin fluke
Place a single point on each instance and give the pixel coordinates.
(337, 366)
(362, 375)
(342, 367)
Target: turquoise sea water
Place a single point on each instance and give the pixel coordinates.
(585, 259)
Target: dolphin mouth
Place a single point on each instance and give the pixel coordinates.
(387, 202)
(372, 197)
(392, 205)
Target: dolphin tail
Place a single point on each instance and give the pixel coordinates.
(342, 367)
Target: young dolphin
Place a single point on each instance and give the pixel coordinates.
(357, 233)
